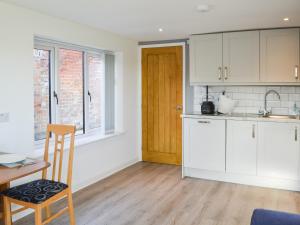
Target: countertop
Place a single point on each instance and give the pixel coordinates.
(241, 116)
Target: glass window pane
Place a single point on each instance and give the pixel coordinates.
(70, 88)
(96, 79)
(41, 92)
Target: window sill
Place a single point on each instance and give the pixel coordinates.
(79, 141)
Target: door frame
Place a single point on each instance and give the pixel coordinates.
(140, 47)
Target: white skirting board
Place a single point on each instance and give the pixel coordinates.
(292, 185)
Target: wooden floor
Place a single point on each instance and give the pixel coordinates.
(153, 194)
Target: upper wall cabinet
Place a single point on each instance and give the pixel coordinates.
(241, 57)
(246, 57)
(279, 53)
(206, 58)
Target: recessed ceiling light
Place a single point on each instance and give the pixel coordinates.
(286, 19)
(160, 29)
(203, 8)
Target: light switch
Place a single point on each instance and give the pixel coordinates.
(4, 117)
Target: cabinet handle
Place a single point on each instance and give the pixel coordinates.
(253, 131)
(220, 73)
(203, 121)
(296, 73)
(225, 72)
(296, 134)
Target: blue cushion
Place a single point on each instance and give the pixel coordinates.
(36, 191)
(269, 217)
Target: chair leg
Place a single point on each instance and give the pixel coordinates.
(7, 211)
(48, 211)
(71, 208)
(38, 216)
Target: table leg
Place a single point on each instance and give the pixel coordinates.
(2, 188)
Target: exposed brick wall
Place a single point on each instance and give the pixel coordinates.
(70, 107)
(41, 92)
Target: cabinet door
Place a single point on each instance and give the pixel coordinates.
(278, 150)
(241, 57)
(206, 58)
(204, 144)
(241, 147)
(279, 54)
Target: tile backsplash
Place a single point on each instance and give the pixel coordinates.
(250, 99)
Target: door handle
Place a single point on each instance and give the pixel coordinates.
(89, 94)
(296, 73)
(220, 73)
(55, 96)
(225, 72)
(253, 131)
(179, 107)
(296, 133)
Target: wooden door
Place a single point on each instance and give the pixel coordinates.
(241, 147)
(204, 144)
(241, 57)
(279, 55)
(278, 150)
(162, 104)
(206, 59)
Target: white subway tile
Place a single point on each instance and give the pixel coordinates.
(294, 97)
(258, 103)
(232, 89)
(284, 97)
(259, 89)
(297, 90)
(251, 98)
(245, 89)
(280, 111)
(218, 89)
(287, 90)
(252, 110)
(275, 88)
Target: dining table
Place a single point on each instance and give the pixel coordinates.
(7, 175)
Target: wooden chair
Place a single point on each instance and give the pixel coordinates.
(40, 194)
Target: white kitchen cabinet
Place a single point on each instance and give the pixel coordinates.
(279, 55)
(241, 151)
(206, 58)
(241, 57)
(204, 144)
(278, 150)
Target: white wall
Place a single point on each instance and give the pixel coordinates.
(17, 29)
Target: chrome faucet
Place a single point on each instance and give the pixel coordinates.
(265, 112)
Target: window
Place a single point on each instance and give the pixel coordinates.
(73, 85)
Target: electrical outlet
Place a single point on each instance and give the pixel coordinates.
(4, 117)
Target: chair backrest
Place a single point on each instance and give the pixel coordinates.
(59, 133)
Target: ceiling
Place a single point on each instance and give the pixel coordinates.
(141, 19)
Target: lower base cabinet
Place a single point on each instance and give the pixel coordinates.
(241, 147)
(204, 144)
(263, 153)
(278, 150)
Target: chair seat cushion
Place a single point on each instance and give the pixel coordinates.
(36, 191)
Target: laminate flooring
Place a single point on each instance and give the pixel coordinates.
(155, 194)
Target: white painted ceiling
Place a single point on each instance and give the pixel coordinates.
(141, 19)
